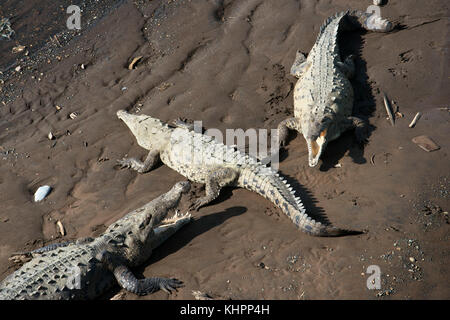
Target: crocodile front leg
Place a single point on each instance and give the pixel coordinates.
(216, 180)
(348, 66)
(129, 282)
(139, 166)
(361, 128)
(283, 129)
(300, 65)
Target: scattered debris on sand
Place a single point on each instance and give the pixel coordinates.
(388, 109)
(61, 229)
(414, 121)
(5, 29)
(73, 115)
(18, 48)
(134, 62)
(426, 143)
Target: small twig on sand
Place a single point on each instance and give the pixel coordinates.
(388, 109)
(61, 228)
(416, 118)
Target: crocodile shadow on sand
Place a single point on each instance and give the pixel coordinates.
(308, 199)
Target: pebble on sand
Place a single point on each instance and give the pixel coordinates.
(73, 115)
(18, 48)
(41, 193)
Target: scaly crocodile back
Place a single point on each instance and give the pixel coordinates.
(194, 155)
(55, 274)
(323, 89)
(326, 79)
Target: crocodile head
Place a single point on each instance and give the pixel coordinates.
(146, 223)
(144, 229)
(151, 133)
(316, 133)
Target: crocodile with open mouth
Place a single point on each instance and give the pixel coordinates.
(323, 94)
(86, 268)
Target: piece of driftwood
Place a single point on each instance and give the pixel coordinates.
(388, 109)
(414, 121)
(426, 143)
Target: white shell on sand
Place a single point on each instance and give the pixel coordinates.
(41, 193)
(377, 2)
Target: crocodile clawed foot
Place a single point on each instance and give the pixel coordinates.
(124, 163)
(183, 123)
(168, 285)
(197, 205)
(282, 141)
(178, 121)
(131, 163)
(361, 135)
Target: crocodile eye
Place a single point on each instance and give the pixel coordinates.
(145, 222)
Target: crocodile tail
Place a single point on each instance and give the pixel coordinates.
(270, 185)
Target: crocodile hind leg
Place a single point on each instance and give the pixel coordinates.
(299, 66)
(283, 129)
(370, 21)
(283, 133)
(129, 282)
(142, 167)
(216, 180)
(361, 128)
(348, 66)
(184, 124)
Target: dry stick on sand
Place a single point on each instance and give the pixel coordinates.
(414, 121)
(388, 109)
(133, 62)
(61, 228)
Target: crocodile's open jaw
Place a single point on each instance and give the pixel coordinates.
(168, 227)
(315, 148)
(174, 219)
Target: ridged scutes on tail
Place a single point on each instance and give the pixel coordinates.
(270, 185)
